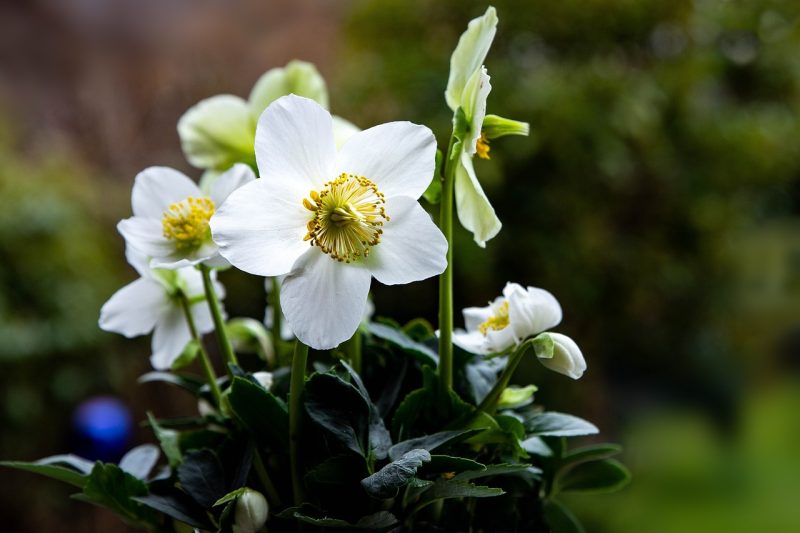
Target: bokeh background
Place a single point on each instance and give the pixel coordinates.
(658, 197)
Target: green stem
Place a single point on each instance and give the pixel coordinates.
(261, 471)
(446, 278)
(204, 359)
(219, 323)
(490, 401)
(277, 313)
(296, 386)
(353, 350)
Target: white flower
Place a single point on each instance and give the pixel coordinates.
(521, 313)
(171, 214)
(151, 303)
(220, 131)
(264, 379)
(332, 219)
(468, 88)
(251, 511)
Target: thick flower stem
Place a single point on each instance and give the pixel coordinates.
(490, 401)
(352, 348)
(277, 313)
(219, 323)
(204, 359)
(261, 471)
(296, 386)
(446, 278)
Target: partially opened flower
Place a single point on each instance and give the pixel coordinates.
(153, 303)
(519, 314)
(220, 131)
(171, 214)
(332, 219)
(468, 88)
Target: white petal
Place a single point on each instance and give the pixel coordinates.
(203, 320)
(260, 228)
(217, 132)
(169, 338)
(411, 249)
(475, 212)
(139, 261)
(474, 104)
(469, 55)
(323, 300)
(156, 188)
(531, 311)
(343, 130)
(146, 236)
(500, 340)
(297, 77)
(238, 175)
(567, 357)
(473, 341)
(134, 309)
(294, 144)
(475, 316)
(400, 157)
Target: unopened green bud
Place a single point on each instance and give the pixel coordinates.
(251, 511)
(495, 126)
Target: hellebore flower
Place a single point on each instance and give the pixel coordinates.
(152, 303)
(171, 214)
(220, 131)
(512, 318)
(467, 89)
(332, 219)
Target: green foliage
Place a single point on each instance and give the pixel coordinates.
(386, 482)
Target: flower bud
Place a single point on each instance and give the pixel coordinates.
(251, 511)
(495, 126)
(560, 353)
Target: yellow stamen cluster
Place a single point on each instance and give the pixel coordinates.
(186, 222)
(349, 214)
(482, 147)
(497, 321)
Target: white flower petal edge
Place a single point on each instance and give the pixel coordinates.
(469, 55)
(235, 177)
(532, 310)
(323, 301)
(475, 95)
(567, 357)
(400, 157)
(412, 246)
(294, 143)
(342, 130)
(260, 227)
(135, 308)
(155, 188)
(474, 210)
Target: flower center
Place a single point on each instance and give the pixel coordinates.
(348, 217)
(497, 321)
(186, 222)
(482, 147)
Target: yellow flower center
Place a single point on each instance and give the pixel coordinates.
(497, 321)
(186, 222)
(482, 147)
(348, 217)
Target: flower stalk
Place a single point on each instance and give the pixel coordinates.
(352, 349)
(489, 403)
(446, 278)
(204, 359)
(219, 323)
(296, 386)
(277, 314)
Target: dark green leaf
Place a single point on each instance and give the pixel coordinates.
(560, 519)
(482, 375)
(231, 496)
(311, 515)
(496, 470)
(379, 438)
(603, 475)
(263, 414)
(179, 506)
(140, 461)
(554, 424)
(590, 453)
(188, 383)
(536, 446)
(431, 442)
(386, 482)
(111, 487)
(169, 441)
(337, 471)
(451, 464)
(54, 471)
(340, 408)
(202, 477)
(401, 340)
(84, 466)
(443, 489)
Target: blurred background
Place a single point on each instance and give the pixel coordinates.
(658, 197)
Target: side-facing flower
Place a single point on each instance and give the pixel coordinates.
(467, 89)
(152, 304)
(171, 215)
(220, 131)
(332, 219)
(519, 314)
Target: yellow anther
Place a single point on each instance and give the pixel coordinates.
(186, 222)
(497, 321)
(482, 147)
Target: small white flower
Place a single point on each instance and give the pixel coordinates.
(151, 304)
(332, 219)
(264, 379)
(520, 313)
(171, 214)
